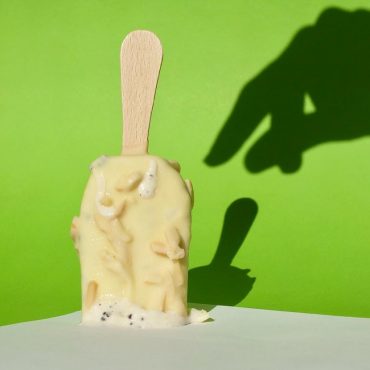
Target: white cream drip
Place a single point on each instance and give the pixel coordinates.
(100, 185)
(148, 185)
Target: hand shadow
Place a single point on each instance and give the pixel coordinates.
(220, 283)
(330, 63)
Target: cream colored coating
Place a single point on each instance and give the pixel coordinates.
(133, 234)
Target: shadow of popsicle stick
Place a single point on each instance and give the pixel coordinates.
(219, 283)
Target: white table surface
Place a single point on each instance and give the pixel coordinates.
(238, 338)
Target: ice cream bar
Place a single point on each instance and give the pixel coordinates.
(134, 228)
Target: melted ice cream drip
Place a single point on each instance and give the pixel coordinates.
(148, 185)
(103, 207)
(103, 203)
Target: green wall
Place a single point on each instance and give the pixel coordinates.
(303, 229)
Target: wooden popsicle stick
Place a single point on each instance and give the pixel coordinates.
(141, 58)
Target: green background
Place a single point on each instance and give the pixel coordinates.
(60, 108)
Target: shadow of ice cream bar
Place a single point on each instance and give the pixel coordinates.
(133, 232)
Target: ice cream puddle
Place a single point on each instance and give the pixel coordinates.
(124, 313)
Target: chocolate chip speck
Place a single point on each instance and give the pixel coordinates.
(131, 323)
(130, 316)
(102, 318)
(142, 319)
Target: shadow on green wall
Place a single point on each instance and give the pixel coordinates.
(219, 282)
(326, 70)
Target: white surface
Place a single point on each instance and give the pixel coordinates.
(239, 338)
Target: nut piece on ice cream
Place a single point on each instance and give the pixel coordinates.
(133, 231)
